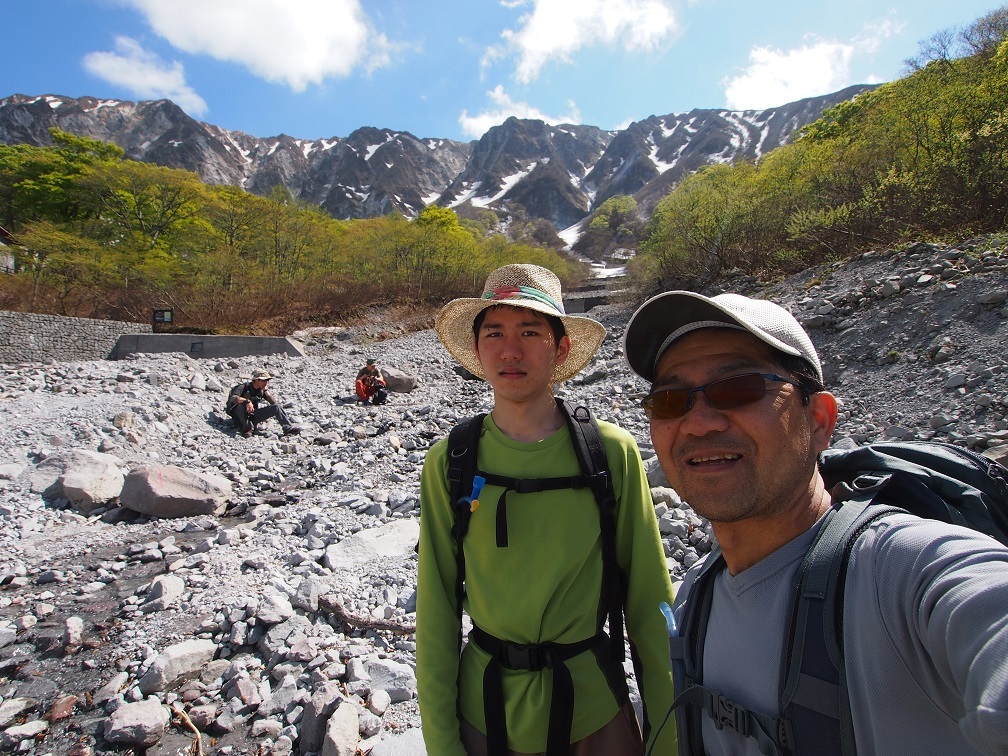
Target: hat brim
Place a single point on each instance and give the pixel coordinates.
(453, 326)
(658, 318)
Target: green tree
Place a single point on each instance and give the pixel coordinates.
(614, 224)
(142, 204)
(72, 268)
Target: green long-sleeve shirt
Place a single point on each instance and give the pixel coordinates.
(544, 586)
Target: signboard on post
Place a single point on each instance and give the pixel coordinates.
(162, 318)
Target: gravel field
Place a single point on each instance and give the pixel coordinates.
(282, 621)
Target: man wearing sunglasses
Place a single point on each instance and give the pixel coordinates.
(738, 416)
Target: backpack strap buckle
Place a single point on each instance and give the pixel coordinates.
(726, 712)
(532, 656)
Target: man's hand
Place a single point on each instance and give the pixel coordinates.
(249, 407)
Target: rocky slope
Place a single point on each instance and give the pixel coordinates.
(285, 623)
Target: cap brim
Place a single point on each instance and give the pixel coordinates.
(453, 325)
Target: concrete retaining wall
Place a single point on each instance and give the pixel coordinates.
(28, 337)
(205, 346)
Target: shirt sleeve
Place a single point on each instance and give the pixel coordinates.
(950, 588)
(235, 396)
(642, 557)
(438, 628)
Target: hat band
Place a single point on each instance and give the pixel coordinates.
(696, 325)
(522, 292)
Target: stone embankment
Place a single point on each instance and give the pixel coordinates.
(28, 337)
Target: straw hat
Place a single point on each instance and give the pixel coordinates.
(528, 286)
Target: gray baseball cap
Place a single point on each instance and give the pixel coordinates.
(666, 317)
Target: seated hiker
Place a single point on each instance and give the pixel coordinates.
(249, 404)
(370, 386)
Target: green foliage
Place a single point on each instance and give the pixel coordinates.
(613, 225)
(440, 217)
(102, 236)
(41, 183)
(922, 157)
(62, 266)
(480, 221)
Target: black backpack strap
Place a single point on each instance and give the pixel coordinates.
(522, 486)
(463, 443)
(532, 657)
(591, 454)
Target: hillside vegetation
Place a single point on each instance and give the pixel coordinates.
(95, 235)
(921, 158)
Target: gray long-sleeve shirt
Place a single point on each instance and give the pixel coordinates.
(925, 639)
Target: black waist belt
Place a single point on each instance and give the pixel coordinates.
(532, 657)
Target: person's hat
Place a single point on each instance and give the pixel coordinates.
(521, 285)
(370, 361)
(261, 375)
(664, 318)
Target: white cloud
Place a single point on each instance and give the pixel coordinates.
(504, 108)
(556, 29)
(297, 42)
(144, 74)
(776, 77)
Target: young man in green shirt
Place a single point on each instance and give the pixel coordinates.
(541, 590)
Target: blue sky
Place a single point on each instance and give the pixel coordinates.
(454, 68)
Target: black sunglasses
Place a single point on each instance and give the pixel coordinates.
(722, 394)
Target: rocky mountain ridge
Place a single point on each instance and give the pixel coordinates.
(285, 624)
(556, 173)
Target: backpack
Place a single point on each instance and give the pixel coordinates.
(380, 395)
(928, 479)
(237, 389)
(463, 441)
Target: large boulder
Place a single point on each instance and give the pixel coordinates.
(342, 731)
(176, 661)
(142, 723)
(394, 539)
(164, 591)
(395, 678)
(398, 381)
(324, 701)
(169, 491)
(87, 479)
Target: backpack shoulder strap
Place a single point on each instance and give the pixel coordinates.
(463, 444)
(590, 451)
(815, 702)
(687, 655)
(591, 454)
